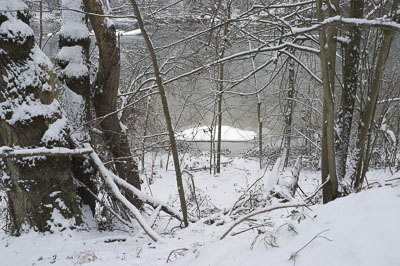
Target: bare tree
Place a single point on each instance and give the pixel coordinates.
(167, 116)
(105, 91)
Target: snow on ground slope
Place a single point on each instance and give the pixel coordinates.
(361, 229)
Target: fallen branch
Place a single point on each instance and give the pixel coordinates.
(149, 200)
(252, 227)
(122, 220)
(8, 152)
(110, 182)
(380, 183)
(272, 208)
(154, 215)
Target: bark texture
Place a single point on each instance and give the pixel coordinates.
(351, 76)
(41, 192)
(105, 90)
(287, 131)
(328, 62)
(74, 54)
(363, 140)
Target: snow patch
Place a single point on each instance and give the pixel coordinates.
(56, 132)
(15, 29)
(227, 134)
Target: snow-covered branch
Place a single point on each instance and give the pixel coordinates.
(8, 152)
(382, 23)
(135, 212)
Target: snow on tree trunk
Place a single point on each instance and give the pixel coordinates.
(351, 73)
(73, 59)
(271, 178)
(287, 132)
(41, 192)
(105, 91)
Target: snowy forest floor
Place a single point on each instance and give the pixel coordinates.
(360, 229)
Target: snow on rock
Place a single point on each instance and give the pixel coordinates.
(227, 134)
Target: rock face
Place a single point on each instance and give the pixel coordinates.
(41, 192)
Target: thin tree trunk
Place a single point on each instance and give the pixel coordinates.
(40, 23)
(105, 91)
(260, 140)
(220, 92)
(167, 115)
(287, 132)
(368, 114)
(259, 117)
(351, 76)
(226, 12)
(328, 59)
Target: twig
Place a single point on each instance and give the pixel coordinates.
(272, 208)
(294, 255)
(309, 198)
(178, 250)
(251, 228)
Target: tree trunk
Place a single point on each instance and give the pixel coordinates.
(368, 114)
(287, 132)
(105, 91)
(220, 98)
(328, 60)
(351, 76)
(226, 11)
(167, 116)
(41, 191)
(75, 96)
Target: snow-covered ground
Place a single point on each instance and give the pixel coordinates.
(361, 229)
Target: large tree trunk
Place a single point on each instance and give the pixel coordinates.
(105, 90)
(351, 74)
(73, 59)
(41, 191)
